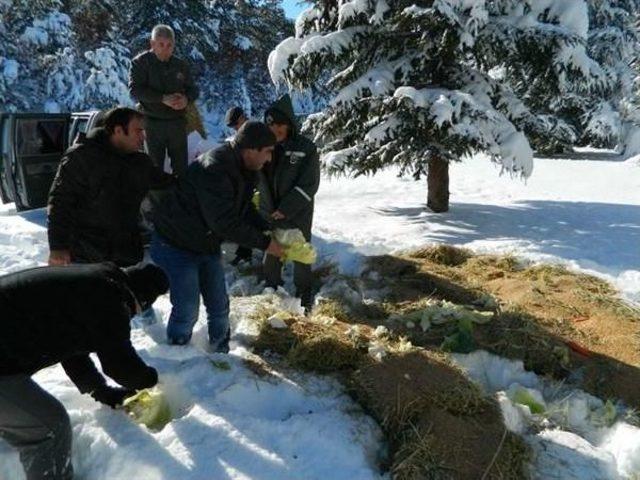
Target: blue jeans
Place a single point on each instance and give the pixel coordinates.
(191, 274)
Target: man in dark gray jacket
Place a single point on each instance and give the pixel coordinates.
(163, 85)
(287, 189)
(210, 203)
(94, 203)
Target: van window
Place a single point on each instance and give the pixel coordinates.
(78, 128)
(40, 137)
(81, 125)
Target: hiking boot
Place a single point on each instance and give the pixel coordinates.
(181, 340)
(243, 254)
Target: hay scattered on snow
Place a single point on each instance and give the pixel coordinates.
(443, 255)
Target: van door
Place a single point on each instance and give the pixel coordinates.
(36, 145)
(6, 189)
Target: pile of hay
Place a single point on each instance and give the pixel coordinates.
(438, 423)
(443, 254)
(318, 344)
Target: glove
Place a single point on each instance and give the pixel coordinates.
(112, 396)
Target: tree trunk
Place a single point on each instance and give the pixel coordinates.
(438, 185)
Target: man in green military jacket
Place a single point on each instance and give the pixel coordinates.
(287, 189)
(163, 85)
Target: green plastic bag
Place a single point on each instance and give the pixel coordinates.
(149, 407)
(295, 246)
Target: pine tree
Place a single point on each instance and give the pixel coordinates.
(33, 37)
(193, 21)
(248, 31)
(613, 116)
(420, 83)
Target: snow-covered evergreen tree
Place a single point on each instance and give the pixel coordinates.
(613, 116)
(421, 83)
(194, 21)
(75, 55)
(32, 33)
(237, 75)
(107, 83)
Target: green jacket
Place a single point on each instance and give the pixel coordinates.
(150, 79)
(290, 181)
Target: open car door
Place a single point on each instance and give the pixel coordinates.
(32, 146)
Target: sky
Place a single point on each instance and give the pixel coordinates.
(291, 7)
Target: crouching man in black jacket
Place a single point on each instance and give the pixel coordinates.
(62, 314)
(211, 203)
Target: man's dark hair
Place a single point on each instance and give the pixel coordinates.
(233, 115)
(254, 135)
(119, 117)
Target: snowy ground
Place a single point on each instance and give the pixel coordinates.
(583, 211)
(232, 424)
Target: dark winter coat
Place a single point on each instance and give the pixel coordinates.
(211, 203)
(94, 202)
(62, 314)
(290, 182)
(150, 79)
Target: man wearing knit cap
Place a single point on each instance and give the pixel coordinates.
(210, 204)
(61, 314)
(287, 191)
(235, 118)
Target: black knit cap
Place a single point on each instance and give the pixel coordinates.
(232, 116)
(273, 115)
(255, 135)
(147, 282)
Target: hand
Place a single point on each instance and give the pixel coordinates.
(169, 99)
(275, 249)
(173, 100)
(180, 102)
(59, 257)
(111, 396)
(177, 101)
(278, 215)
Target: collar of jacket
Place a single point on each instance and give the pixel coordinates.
(157, 60)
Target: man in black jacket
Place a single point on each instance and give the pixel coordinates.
(163, 85)
(211, 203)
(52, 315)
(235, 118)
(287, 190)
(94, 202)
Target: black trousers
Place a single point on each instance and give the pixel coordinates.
(302, 278)
(168, 137)
(37, 425)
